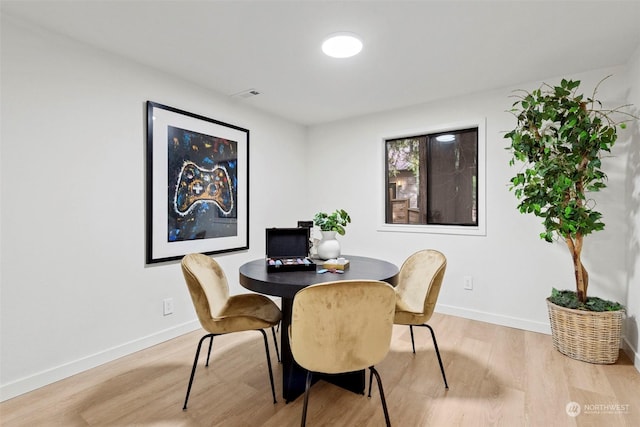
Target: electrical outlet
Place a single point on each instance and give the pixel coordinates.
(468, 283)
(167, 306)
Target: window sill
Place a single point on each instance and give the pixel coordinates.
(433, 229)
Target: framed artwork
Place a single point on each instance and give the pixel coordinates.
(197, 185)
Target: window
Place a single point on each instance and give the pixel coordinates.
(432, 179)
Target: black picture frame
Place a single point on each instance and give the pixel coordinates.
(197, 190)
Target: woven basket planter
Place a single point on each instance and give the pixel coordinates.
(589, 336)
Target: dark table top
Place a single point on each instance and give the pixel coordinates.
(254, 275)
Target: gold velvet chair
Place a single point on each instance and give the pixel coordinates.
(221, 314)
(342, 326)
(419, 283)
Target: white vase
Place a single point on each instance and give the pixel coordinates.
(328, 246)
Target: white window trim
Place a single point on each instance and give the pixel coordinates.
(481, 228)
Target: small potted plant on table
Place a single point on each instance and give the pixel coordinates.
(330, 224)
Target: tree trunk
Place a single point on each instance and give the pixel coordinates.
(581, 274)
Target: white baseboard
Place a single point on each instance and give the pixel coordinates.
(497, 319)
(633, 355)
(49, 376)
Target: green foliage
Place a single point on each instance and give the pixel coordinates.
(403, 150)
(569, 299)
(336, 221)
(560, 137)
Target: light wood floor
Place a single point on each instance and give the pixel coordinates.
(497, 376)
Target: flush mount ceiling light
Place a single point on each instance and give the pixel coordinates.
(342, 45)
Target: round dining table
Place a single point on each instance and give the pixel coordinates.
(285, 284)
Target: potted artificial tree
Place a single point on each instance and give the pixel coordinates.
(330, 224)
(560, 137)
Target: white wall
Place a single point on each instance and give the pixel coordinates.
(74, 288)
(632, 324)
(513, 270)
(75, 291)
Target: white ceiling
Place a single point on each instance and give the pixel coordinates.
(414, 51)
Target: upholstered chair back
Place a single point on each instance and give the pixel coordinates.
(419, 283)
(342, 326)
(207, 285)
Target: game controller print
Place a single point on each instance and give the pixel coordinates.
(199, 185)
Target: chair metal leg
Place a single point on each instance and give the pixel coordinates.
(413, 345)
(195, 364)
(306, 399)
(266, 348)
(275, 342)
(209, 352)
(384, 402)
(370, 382)
(435, 345)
